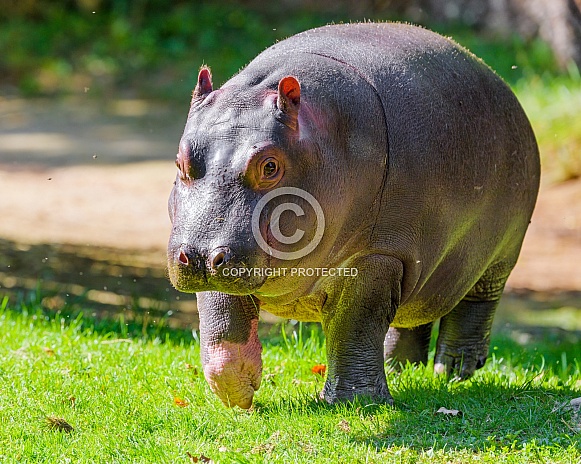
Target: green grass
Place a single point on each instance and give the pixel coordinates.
(118, 390)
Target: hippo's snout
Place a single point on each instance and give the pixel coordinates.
(220, 269)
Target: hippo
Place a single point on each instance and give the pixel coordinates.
(373, 177)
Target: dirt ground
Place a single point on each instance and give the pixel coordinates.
(87, 175)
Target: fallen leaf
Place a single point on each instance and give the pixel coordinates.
(449, 412)
(48, 351)
(344, 426)
(200, 458)
(179, 402)
(319, 369)
(73, 401)
(58, 423)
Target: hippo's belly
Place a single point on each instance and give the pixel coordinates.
(305, 309)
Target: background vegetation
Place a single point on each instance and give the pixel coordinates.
(148, 49)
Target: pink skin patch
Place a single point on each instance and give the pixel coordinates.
(234, 370)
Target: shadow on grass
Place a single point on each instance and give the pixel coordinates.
(137, 326)
(520, 398)
(491, 415)
(495, 411)
(111, 287)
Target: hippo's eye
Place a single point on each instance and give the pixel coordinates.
(266, 169)
(269, 168)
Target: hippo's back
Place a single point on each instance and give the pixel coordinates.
(442, 107)
(371, 48)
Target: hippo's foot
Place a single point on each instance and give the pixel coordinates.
(337, 392)
(460, 361)
(402, 345)
(462, 345)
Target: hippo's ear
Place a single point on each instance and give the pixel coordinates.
(289, 96)
(204, 85)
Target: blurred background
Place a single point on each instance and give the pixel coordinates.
(93, 100)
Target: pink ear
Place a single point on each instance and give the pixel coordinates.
(204, 85)
(289, 95)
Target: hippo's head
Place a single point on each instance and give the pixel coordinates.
(241, 142)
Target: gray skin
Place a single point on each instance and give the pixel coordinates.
(426, 169)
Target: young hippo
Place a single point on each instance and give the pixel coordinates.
(372, 177)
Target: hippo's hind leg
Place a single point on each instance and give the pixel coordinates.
(464, 334)
(411, 345)
(462, 345)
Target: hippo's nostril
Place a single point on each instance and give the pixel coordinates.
(183, 258)
(219, 259)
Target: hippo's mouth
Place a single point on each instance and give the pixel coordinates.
(234, 370)
(230, 280)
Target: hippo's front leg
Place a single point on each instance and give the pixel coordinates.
(231, 351)
(355, 324)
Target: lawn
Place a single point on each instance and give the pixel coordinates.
(80, 390)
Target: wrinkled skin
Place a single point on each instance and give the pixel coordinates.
(425, 168)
